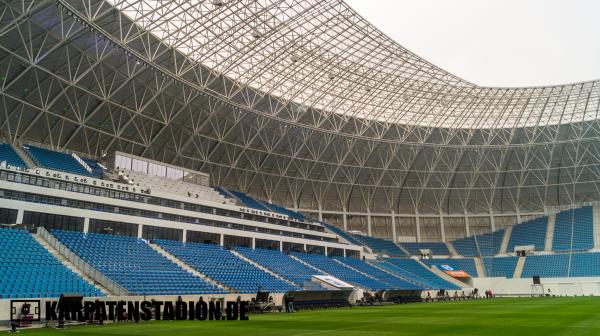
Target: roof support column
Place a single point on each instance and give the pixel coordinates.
(418, 227)
(394, 236)
(345, 219)
(442, 230)
(467, 227)
(369, 222)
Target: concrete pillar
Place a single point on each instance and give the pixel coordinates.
(140, 228)
(369, 222)
(345, 253)
(492, 224)
(281, 245)
(253, 242)
(184, 238)
(19, 219)
(325, 248)
(222, 240)
(394, 235)
(86, 225)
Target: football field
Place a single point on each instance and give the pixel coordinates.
(527, 316)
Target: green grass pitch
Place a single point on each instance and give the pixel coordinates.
(527, 316)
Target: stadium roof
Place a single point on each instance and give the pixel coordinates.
(323, 55)
(302, 102)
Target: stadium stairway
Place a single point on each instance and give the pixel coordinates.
(519, 268)
(505, 240)
(264, 269)
(69, 264)
(452, 249)
(445, 276)
(479, 266)
(550, 232)
(189, 268)
(19, 150)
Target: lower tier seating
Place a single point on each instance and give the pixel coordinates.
(394, 281)
(341, 271)
(414, 270)
(281, 264)
(500, 266)
(225, 267)
(134, 264)
(28, 270)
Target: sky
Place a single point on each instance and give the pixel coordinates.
(506, 43)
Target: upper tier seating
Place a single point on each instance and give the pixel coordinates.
(28, 270)
(57, 161)
(350, 238)
(134, 265)
(97, 170)
(487, 244)
(381, 245)
(436, 248)
(500, 266)
(281, 264)
(284, 211)
(394, 281)
(249, 201)
(175, 187)
(532, 232)
(225, 267)
(341, 271)
(414, 270)
(464, 264)
(548, 266)
(574, 230)
(8, 154)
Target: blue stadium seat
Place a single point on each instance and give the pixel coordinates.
(8, 154)
(55, 160)
(500, 266)
(380, 245)
(574, 230)
(436, 248)
(28, 270)
(532, 232)
(225, 267)
(487, 244)
(548, 266)
(134, 265)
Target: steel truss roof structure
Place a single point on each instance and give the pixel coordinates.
(302, 102)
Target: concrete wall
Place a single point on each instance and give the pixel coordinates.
(557, 286)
